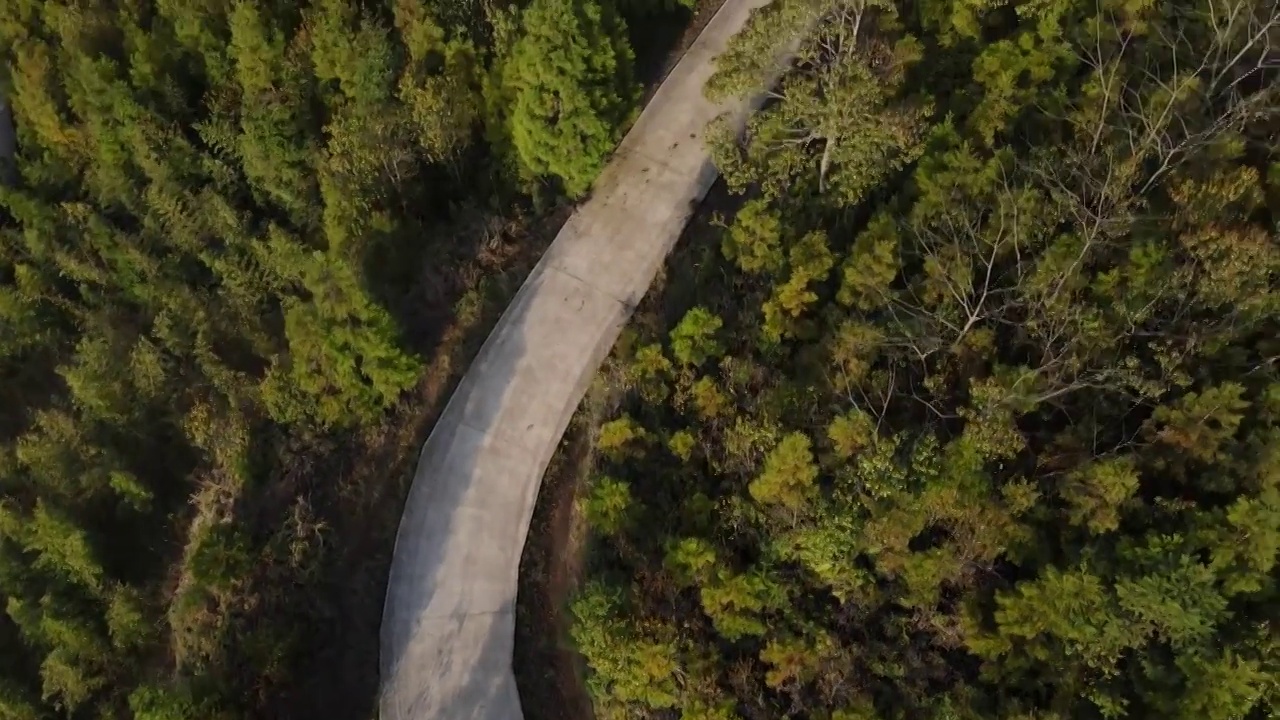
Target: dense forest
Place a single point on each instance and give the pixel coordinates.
(212, 239)
(964, 403)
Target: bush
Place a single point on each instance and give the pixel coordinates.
(694, 341)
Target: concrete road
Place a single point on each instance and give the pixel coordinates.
(448, 625)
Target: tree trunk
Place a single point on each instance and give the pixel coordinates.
(824, 164)
(8, 145)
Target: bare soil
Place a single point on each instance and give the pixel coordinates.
(548, 670)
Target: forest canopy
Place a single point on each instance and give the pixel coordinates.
(967, 405)
(210, 242)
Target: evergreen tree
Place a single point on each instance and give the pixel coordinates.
(569, 80)
(199, 203)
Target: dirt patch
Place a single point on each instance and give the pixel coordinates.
(548, 670)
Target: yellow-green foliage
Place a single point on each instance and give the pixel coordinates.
(693, 340)
(1019, 456)
(606, 505)
(569, 80)
(789, 475)
(622, 437)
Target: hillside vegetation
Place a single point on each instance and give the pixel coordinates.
(969, 407)
(233, 232)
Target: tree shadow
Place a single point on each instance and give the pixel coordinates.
(660, 38)
(8, 145)
(654, 36)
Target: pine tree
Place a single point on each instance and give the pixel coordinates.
(569, 80)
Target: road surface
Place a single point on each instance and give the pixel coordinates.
(448, 625)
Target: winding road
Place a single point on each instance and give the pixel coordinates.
(449, 621)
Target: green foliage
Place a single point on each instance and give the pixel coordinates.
(1072, 610)
(1096, 492)
(693, 340)
(621, 438)
(649, 372)
(1019, 458)
(342, 368)
(64, 549)
(809, 262)
(958, 19)
(851, 432)
(226, 225)
(838, 128)
(754, 241)
(682, 444)
(854, 348)
(754, 57)
(1220, 686)
(128, 619)
(871, 266)
(735, 603)
(789, 474)
(1199, 425)
(75, 669)
(441, 86)
(150, 702)
(569, 80)
(220, 557)
(67, 681)
(691, 560)
(794, 660)
(607, 505)
(15, 704)
(697, 710)
(131, 490)
(708, 399)
(628, 665)
(1011, 73)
